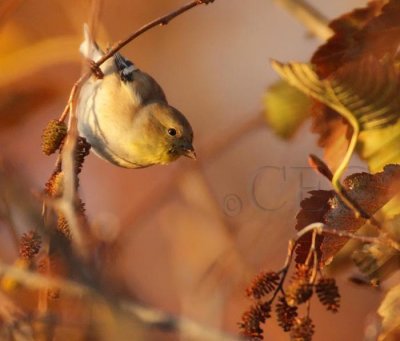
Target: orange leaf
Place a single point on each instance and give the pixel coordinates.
(374, 30)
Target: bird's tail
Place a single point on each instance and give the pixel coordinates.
(89, 47)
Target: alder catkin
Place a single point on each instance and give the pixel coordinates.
(52, 136)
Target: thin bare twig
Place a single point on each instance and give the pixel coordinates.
(315, 229)
(312, 247)
(68, 201)
(74, 92)
(66, 204)
(322, 228)
(284, 271)
(164, 20)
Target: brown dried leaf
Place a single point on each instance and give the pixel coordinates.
(370, 30)
(370, 191)
(358, 18)
(312, 210)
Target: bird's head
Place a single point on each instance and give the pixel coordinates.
(168, 134)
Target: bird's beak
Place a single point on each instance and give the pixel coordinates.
(190, 153)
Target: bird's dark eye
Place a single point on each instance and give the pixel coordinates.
(172, 131)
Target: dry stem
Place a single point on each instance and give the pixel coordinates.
(164, 20)
(316, 23)
(66, 204)
(322, 228)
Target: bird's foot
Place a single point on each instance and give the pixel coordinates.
(96, 69)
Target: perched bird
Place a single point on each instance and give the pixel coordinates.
(125, 115)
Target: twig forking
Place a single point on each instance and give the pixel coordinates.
(163, 20)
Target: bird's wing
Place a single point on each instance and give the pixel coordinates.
(125, 67)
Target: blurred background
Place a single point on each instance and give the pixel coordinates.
(188, 237)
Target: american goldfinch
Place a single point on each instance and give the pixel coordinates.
(125, 115)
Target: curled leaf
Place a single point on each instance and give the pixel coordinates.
(371, 30)
(364, 92)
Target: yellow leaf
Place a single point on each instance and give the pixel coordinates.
(364, 92)
(286, 108)
(380, 147)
